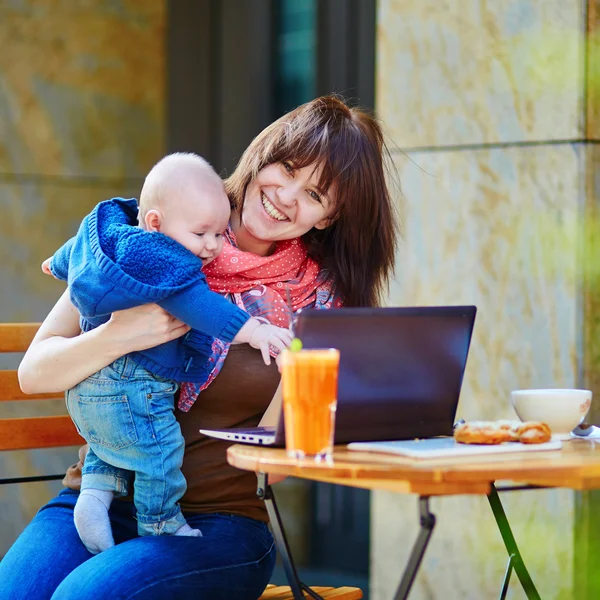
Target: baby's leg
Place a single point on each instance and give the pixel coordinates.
(99, 482)
(159, 482)
(92, 521)
(95, 405)
(188, 531)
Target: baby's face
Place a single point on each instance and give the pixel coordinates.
(198, 222)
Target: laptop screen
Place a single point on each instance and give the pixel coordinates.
(401, 369)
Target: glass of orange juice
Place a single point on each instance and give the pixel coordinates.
(310, 383)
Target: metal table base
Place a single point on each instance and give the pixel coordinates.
(427, 523)
(265, 492)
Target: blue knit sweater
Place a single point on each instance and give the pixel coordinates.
(111, 264)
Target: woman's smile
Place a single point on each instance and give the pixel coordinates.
(270, 209)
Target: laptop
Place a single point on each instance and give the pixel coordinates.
(401, 371)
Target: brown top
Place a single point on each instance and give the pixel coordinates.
(238, 397)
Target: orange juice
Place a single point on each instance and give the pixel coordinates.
(309, 380)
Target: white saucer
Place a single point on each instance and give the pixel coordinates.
(564, 436)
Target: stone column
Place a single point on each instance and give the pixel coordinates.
(490, 109)
(82, 104)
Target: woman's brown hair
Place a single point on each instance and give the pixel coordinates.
(357, 250)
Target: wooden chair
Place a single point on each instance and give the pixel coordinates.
(283, 592)
(27, 433)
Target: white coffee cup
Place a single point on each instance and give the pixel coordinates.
(561, 409)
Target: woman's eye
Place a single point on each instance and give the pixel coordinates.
(288, 167)
(315, 196)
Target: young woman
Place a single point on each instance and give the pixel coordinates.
(312, 214)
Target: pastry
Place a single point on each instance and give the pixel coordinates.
(534, 432)
(498, 432)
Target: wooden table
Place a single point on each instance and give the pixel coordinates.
(576, 466)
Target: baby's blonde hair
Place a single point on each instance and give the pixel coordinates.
(170, 176)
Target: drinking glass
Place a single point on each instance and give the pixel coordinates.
(310, 383)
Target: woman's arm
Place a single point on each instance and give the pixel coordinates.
(271, 416)
(270, 419)
(59, 357)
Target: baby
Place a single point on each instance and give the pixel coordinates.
(125, 412)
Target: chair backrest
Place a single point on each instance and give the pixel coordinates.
(29, 432)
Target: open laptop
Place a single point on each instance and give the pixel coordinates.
(401, 370)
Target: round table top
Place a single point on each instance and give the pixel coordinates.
(576, 466)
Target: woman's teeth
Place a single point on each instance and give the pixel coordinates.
(271, 210)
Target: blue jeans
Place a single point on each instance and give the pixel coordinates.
(234, 559)
(125, 413)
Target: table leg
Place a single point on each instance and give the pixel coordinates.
(506, 581)
(265, 492)
(516, 561)
(427, 523)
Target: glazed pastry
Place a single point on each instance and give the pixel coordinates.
(498, 432)
(534, 432)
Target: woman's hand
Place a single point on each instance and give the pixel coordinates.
(59, 356)
(144, 327)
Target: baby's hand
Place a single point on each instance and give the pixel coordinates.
(46, 267)
(266, 335)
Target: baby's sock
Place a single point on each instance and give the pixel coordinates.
(188, 531)
(92, 521)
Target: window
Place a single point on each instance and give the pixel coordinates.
(295, 53)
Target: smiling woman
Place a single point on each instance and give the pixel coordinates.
(318, 173)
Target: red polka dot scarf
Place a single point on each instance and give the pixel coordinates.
(265, 280)
(259, 285)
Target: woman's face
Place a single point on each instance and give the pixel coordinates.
(283, 203)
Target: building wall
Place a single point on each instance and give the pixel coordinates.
(486, 104)
(82, 105)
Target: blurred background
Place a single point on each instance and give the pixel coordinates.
(492, 113)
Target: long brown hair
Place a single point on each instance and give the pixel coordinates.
(358, 248)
